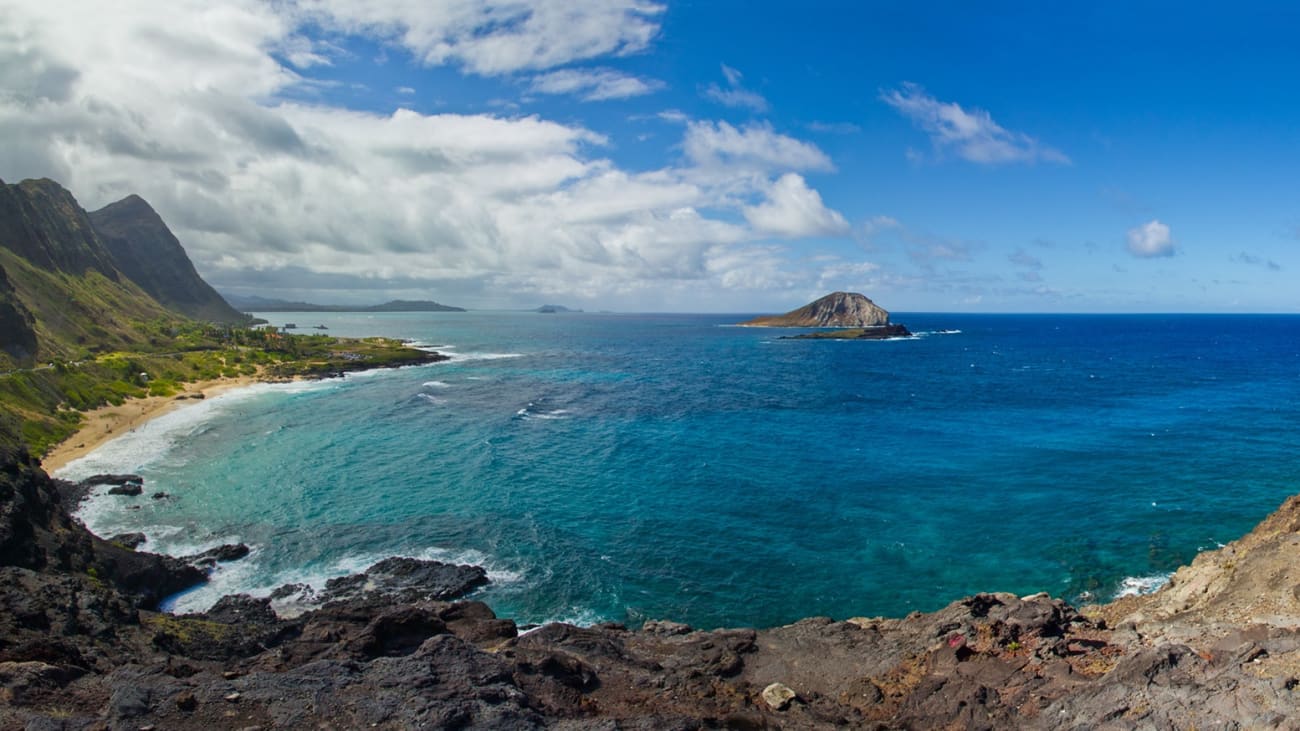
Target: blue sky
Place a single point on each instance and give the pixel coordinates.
(698, 156)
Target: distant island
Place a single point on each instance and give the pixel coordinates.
(270, 304)
(553, 309)
(865, 319)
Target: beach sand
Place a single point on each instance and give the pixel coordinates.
(108, 422)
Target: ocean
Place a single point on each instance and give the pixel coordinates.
(634, 467)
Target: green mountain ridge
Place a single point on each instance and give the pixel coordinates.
(147, 252)
(63, 296)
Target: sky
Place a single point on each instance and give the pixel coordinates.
(699, 156)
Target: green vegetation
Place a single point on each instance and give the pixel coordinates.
(49, 400)
(186, 630)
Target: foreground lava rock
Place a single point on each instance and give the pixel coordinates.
(81, 647)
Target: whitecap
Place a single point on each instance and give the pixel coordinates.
(458, 357)
(1142, 585)
(532, 411)
(436, 384)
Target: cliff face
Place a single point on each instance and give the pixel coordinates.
(41, 222)
(837, 309)
(148, 253)
(17, 326)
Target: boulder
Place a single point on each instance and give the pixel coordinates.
(129, 540)
(399, 579)
(778, 696)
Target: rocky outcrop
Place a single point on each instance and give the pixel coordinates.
(884, 332)
(837, 309)
(398, 647)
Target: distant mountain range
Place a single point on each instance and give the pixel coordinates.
(73, 282)
(552, 309)
(252, 303)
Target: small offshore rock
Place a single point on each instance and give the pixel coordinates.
(778, 696)
(160, 496)
(129, 488)
(110, 479)
(220, 554)
(129, 540)
(399, 579)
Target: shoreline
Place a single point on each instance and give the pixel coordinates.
(106, 423)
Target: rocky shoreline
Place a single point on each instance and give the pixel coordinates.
(82, 646)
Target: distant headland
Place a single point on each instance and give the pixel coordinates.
(864, 318)
(267, 304)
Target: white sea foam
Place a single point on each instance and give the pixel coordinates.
(577, 616)
(247, 577)
(531, 411)
(1141, 585)
(458, 357)
(926, 333)
(430, 398)
(436, 384)
(147, 443)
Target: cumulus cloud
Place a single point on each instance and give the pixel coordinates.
(735, 94)
(492, 38)
(1150, 240)
(261, 188)
(972, 135)
(794, 210)
(594, 84)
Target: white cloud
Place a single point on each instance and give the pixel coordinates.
(492, 38)
(879, 224)
(973, 134)
(1150, 240)
(277, 193)
(794, 210)
(594, 84)
(735, 95)
(758, 146)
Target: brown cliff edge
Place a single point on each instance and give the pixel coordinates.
(81, 647)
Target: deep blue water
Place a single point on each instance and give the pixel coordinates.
(629, 467)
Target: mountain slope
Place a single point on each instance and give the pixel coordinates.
(147, 252)
(837, 309)
(41, 222)
(62, 296)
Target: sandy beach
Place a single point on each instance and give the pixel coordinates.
(108, 422)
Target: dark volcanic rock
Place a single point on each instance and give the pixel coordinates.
(129, 489)
(129, 540)
(882, 332)
(400, 579)
(110, 479)
(221, 554)
(80, 649)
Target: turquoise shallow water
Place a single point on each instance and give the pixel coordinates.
(629, 467)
